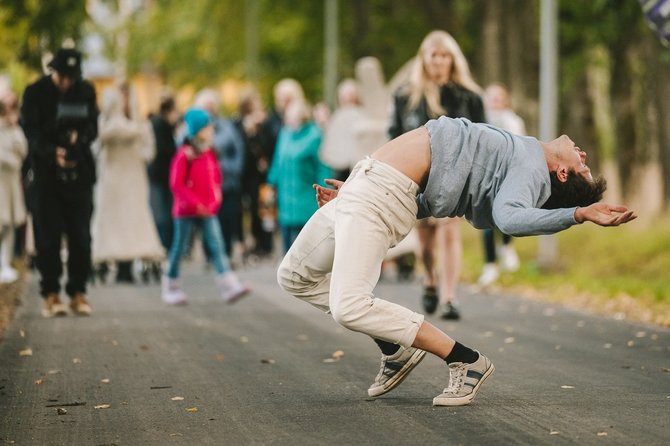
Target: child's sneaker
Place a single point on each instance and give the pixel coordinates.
(230, 287)
(394, 369)
(171, 292)
(464, 382)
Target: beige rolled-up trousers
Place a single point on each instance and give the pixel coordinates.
(335, 262)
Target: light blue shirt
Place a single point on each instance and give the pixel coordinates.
(492, 177)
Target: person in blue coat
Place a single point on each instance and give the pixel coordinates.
(295, 168)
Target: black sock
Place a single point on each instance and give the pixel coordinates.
(461, 353)
(387, 348)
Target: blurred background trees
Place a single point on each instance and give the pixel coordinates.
(614, 91)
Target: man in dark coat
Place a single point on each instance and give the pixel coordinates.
(59, 116)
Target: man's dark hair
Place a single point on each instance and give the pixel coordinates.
(576, 191)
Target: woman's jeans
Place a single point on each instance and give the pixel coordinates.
(335, 262)
(211, 236)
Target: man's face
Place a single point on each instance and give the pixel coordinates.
(573, 157)
(62, 82)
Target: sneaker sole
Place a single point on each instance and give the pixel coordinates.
(464, 400)
(394, 382)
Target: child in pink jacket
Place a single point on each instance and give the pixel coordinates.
(195, 181)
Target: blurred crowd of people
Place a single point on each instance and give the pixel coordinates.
(128, 193)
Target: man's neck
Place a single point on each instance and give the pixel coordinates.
(549, 155)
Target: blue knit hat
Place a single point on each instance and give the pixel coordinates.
(196, 119)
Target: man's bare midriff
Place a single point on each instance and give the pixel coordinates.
(409, 153)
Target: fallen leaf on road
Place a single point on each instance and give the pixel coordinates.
(244, 339)
(640, 334)
(581, 324)
(630, 343)
(608, 345)
(61, 411)
(567, 387)
(302, 337)
(337, 354)
(115, 343)
(602, 434)
(558, 347)
(267, 361)
(665, 369)
(102, 406)
(330, 360)
(176, 434)
(553, 432)
(549, 312)
(39, 381)
(76, 361)
(54, 372)
(509, 340)
(22, 333)
(177, 398)
(220, 357)
(192, 409)
(488, 334)
(26, 352)
(105, 380)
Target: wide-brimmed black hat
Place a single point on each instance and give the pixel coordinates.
(67, 62)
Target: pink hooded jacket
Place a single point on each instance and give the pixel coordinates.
(195, 184)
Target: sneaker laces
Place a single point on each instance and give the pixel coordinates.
(456, 376)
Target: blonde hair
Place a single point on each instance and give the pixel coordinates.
(420, 85)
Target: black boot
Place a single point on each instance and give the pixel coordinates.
(124, 272)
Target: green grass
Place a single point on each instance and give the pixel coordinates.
(613, 270)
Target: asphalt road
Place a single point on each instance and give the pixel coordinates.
(261, 372)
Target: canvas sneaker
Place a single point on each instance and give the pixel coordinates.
(394, 369)
(464, 382)
(80, 305)
(52, 306)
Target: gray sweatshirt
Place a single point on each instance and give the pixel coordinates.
(492, 177)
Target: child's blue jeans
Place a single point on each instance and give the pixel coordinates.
(211, 236)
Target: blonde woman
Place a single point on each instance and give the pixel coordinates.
(439, 84)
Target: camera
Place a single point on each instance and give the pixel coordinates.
(71, 118)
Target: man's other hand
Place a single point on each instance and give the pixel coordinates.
(61, 154)
(604, 214)
(324, 195)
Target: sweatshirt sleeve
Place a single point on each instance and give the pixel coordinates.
(514, 211)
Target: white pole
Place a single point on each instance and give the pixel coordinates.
(330, 51)
(547, 254)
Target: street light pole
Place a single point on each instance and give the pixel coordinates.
(330, 51)
(547, 254)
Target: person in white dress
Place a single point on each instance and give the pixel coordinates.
(13, 150)
(123, 228)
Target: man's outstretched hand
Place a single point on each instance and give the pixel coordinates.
(604, 214)
(324, 195)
